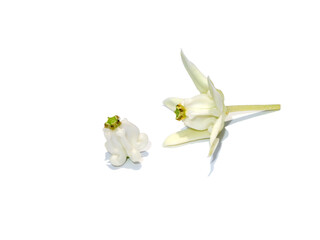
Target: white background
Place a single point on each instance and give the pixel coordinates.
(65, 66)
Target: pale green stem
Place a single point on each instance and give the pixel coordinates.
(239, 108)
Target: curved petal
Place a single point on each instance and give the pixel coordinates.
(130, 149)
(199, 122)
(142, 142)
(184, 136)
(197, 77)
(107, 133)
(172, 102)
(131, 131)
(192, 113)
(113, 144)
(217, 127)
(135, 138)
(118, 159)
(217, 97)
(199, 101)
(135, 156)
(213, 146)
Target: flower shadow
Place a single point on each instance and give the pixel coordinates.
(246, 117)
(128, 164)
(224, 134)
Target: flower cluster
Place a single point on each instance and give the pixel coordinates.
(203, 115)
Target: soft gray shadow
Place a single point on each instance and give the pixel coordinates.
(246, 117)
(222, 136)
(128, 164)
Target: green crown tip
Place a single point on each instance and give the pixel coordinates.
(113, 122)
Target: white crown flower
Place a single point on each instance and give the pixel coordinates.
(204, 114)
(124, 140)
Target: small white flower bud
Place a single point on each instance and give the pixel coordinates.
(124, 140)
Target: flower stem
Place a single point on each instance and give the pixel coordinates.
(239, 108)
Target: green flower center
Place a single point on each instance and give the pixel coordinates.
(113, 122)
(180, 112)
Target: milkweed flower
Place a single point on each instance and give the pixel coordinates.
(124, 140)
(204, 114)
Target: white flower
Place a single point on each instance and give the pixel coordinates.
(124, 140)
(203, 114)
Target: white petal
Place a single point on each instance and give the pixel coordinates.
(132, 152)
(217, 97)
(172, 102)
(185, 135)
(199, 101)
(135, 156)
(198, 78)
(121, 133)
(118, 160)
(113, 144)
(213, 146)
(192, 113)
(217, 127)
(107, 132)
(142, 142)
(135, 138)
(199, 122)
(132, 131)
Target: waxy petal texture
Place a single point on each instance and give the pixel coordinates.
(217, 97)
(198, 78)
(184, 136)
(217, 127)
(213, 146)
(118, 160)
(125, 141)
(172, 102)
(203, 114)
(200, 122)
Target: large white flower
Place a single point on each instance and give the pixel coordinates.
(205, 113)
(124, 140)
